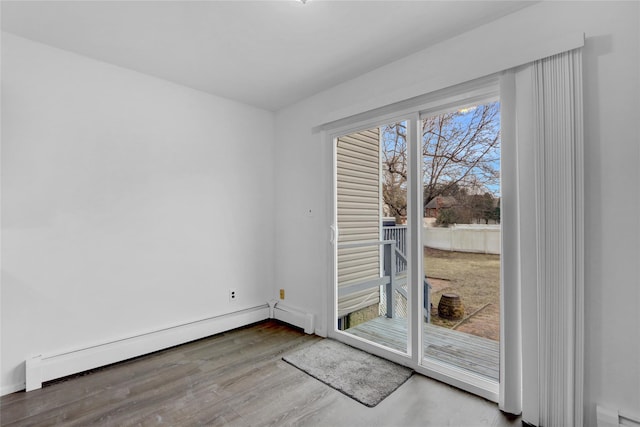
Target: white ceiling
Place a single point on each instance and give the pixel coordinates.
(264, 53)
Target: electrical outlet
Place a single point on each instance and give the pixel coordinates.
(281, 293)
(233, 295)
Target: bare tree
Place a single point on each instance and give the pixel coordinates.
(461, 149)
(394, 170)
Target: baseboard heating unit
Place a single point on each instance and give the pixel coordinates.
(608, 417)
(46, 367)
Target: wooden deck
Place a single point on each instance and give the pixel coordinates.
(475, 354)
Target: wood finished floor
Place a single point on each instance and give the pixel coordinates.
(235, 379)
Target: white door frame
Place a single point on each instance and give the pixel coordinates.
(457, 377)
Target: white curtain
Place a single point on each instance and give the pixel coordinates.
(557, 97)
(546, 100)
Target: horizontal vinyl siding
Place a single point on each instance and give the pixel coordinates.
(358, 188)
(356, 301)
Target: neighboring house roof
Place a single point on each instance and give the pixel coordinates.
(442, 202)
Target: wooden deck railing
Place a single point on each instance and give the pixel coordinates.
(399, 234)
(394, 277)
(388, 279)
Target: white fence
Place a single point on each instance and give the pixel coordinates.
(464, 238)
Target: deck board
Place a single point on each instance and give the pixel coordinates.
(476, 354)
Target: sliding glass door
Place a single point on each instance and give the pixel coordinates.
(372, 298)
(461, 236)
(417, 254)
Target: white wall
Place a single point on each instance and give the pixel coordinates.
(129, 204)
(611, 85)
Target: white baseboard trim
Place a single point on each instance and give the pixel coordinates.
(42, 368)
(292, 316)
(11, 388)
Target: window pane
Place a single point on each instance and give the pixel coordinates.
(461, 237)
(371, 183)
